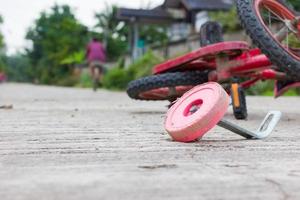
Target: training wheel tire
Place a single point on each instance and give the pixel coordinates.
(196, 112)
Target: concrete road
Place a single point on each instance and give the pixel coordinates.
(61, 143)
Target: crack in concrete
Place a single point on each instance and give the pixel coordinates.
(285, 195)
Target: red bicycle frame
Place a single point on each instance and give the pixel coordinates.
(226, 60)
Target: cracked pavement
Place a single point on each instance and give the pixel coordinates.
(67, 143)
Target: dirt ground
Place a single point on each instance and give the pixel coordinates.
(62, 143)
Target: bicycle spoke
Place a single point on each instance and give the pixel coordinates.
(270, 21)
(287, 41)
(282, 34)
(275, 14)
(270, 17)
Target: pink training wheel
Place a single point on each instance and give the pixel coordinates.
(198, 111)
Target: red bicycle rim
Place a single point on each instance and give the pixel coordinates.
(165, 93)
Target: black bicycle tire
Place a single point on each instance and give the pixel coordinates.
(189, 78)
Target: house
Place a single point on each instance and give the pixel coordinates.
(184, 17)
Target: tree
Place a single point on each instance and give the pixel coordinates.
(19, 68)
(2, 53)
(295, 3)
(55, 35)
(229, 20)
(113, 32)
(2, 45)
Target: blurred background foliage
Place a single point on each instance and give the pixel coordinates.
(113, 33)
(2, 53)
(58, 40)
(295, 4)
(119, 76)
(55, 36)
(229, 20)
(1, 36)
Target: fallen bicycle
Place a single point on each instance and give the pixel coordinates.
(233, 65)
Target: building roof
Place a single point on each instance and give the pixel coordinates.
(162, 14)
(199, 5)
(156, 15)
(172, 3)
(207, 5)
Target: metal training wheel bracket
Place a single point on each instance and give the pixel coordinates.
(264, 130)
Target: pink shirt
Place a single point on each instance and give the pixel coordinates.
(95, 52)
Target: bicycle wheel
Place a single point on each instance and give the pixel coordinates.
(198, 111)
(96, 78)
(168, 86)
(275, 29)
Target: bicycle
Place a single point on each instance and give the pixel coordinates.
(274, 27)
(96, 70)
(234, 65)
